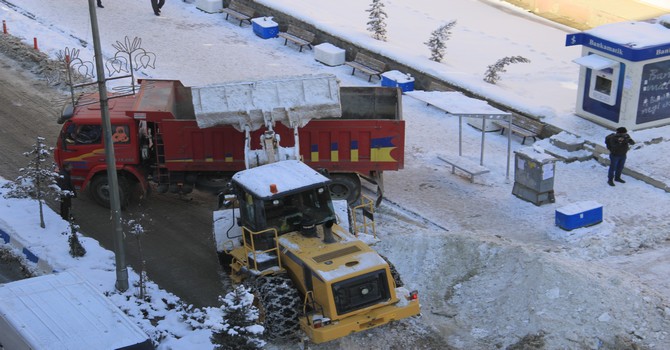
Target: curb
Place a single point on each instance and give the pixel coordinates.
(41, 264)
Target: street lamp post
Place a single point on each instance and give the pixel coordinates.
(113, 182)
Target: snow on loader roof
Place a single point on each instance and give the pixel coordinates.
(285, 176)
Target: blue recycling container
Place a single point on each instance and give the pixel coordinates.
(265, 27)
(580, 214)
(395, 78)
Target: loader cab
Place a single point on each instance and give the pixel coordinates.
(286, 196)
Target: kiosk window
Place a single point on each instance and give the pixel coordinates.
(603, 85)
(604, 77)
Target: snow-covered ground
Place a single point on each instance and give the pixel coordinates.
(490, 267)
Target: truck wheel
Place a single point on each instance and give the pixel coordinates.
(212, 184)
(345, 186)
(99, 190)
(279, 302)
(394, 272)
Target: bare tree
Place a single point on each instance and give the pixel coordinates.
(377, 22)
(136, 228)
(492, 74)
(437, 42)
(38, 180)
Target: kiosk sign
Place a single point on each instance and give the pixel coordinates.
(654, 102)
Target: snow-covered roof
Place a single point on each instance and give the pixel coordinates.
(63, 311)
(631, 40)
(456, 103)
(635, 34)
(285, 176)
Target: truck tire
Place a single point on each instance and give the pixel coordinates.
(279, 302)
(211, 184)
(99, 190)
(345, 186)
(394, 272)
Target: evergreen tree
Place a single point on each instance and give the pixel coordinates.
(76, 249)
(492, 74)
(239, 330)
(38, 180)
(377, 22)
(437, 42)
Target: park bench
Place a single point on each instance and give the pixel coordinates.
(522, 126)
(299, 36)
(471, 168)
(239, 11)
(367, 65)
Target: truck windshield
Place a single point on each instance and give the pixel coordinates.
(82, 134)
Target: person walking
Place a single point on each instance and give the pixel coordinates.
(65, 184)
(618, 144)
(157, 5)
(100, 4)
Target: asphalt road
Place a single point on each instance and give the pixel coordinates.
(178, 247)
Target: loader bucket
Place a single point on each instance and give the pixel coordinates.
(292, 101)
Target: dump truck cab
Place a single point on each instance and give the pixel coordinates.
(288, 229)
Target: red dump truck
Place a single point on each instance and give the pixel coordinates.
(176, 138)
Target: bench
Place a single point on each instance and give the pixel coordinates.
(367, 65)
(299, 36)
(239, 11)
(465, 165)
(522, 126)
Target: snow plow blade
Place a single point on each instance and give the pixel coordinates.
(293, 101)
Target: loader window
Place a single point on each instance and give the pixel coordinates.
(361, 291)
(286, 214)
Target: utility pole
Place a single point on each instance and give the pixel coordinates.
(112, 179)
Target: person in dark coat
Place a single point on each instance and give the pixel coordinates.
(157, 5)
(618, 144)
(100, 4)
(65, 184)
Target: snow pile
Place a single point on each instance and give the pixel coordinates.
(528, 292)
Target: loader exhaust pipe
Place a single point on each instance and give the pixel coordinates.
(328, 232)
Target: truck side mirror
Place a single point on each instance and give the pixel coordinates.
(66, 113)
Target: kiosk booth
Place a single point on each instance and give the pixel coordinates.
(624, 78)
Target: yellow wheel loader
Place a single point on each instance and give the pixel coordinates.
(280, 235)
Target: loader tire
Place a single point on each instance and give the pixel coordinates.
(394, 272)
(279, 302)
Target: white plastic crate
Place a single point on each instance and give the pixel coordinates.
(210, 6)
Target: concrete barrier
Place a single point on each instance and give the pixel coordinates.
(9, 237)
